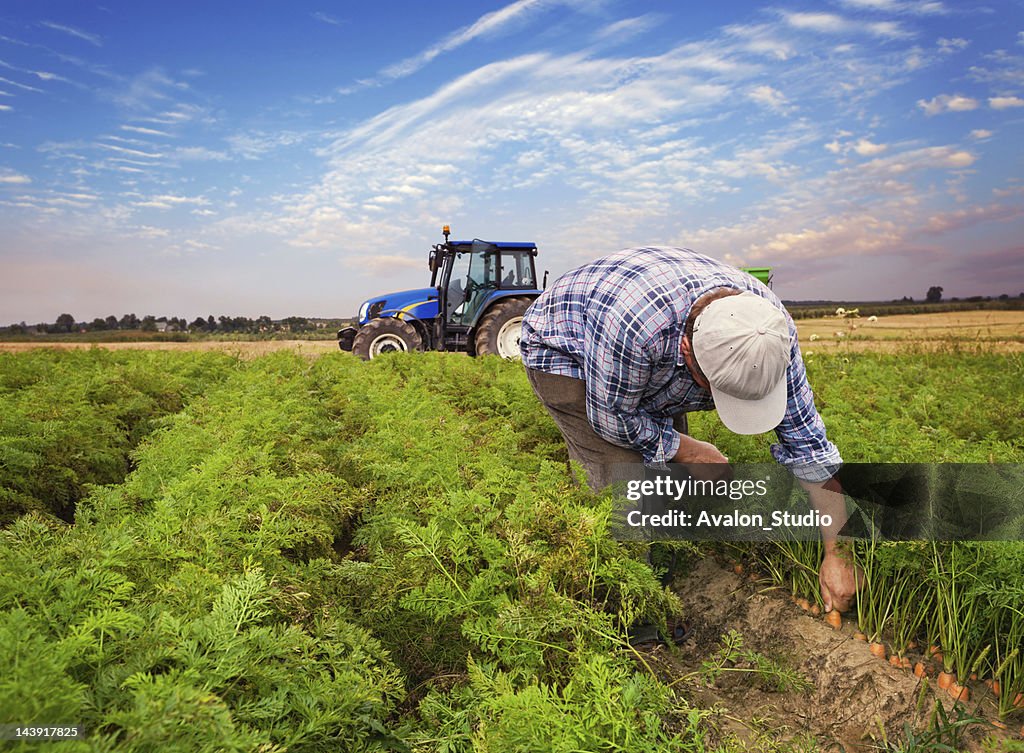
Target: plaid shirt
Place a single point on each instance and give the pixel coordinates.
(617, 323)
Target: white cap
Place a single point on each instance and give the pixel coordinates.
(742, 345)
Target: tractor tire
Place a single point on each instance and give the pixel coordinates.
(499, 330)
(385, 335)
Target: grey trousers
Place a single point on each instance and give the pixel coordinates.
(565, 399)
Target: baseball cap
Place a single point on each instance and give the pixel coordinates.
(742, 345)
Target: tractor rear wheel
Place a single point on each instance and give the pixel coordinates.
(385, 335)
(500, 328)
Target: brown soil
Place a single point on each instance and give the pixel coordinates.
(855, 700)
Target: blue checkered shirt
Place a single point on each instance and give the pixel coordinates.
(617, 323)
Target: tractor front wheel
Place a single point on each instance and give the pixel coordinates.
(385, 335)
(500, 328)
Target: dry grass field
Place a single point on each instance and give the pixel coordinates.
(989, 331)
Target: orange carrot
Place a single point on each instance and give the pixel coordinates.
(958, 692)
(894, 661)
(834, 618)
(878, 649)
(919, 670)
(859, 636)
(945, 680)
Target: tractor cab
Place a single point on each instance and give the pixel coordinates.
(471, 278)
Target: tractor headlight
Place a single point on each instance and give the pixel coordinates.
(363, 309)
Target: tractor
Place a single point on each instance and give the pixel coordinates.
(478, 294)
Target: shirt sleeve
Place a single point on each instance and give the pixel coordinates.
(803, 446)
(617, 368)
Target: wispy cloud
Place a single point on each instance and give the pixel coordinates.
(909, 7)
(947, 103)
(628, 28)
(866, 148)
(5, 108)
(769, 97)
(24, 87)
(489, 24)
(949, 46)
(145, 131)
(1003, 103)
(11, 178)
(831, 23)
(132, 152)
(324, 18)
(93, 39)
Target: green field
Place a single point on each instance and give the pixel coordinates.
(204, 552)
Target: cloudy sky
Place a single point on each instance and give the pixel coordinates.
(196, 158)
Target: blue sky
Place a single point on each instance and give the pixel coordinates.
(294, 158)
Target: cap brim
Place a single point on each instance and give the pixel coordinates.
(752, 416)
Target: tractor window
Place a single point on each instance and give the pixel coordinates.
(474, 276)
(516, 270)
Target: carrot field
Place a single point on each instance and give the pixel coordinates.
(228, 551)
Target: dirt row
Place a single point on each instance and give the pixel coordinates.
(855, 700)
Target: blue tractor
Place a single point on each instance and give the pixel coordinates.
(478, 294)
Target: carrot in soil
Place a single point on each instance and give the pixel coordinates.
(944, 680)
(905, 662)
(878, 649)
(858, 636)
(958, 692)
(835, 619)
(919, 670)
(738, 569)
(804, 604)
(894, 661)
(993, 685)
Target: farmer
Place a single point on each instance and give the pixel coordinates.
(621, 349)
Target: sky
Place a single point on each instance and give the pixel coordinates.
(238, 158)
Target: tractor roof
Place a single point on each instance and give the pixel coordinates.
(499, 244)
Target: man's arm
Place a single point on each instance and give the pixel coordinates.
(804, 448)
(838, 574)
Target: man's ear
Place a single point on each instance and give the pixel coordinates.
(687, 349)
(691, 363)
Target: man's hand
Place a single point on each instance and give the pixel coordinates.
(694, 451)
(710, 463)
(839, 577)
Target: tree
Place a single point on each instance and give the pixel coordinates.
(111, 322)
(65, 323)
(934, 294)
(149, 323)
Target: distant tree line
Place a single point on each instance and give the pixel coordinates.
(66, 323)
